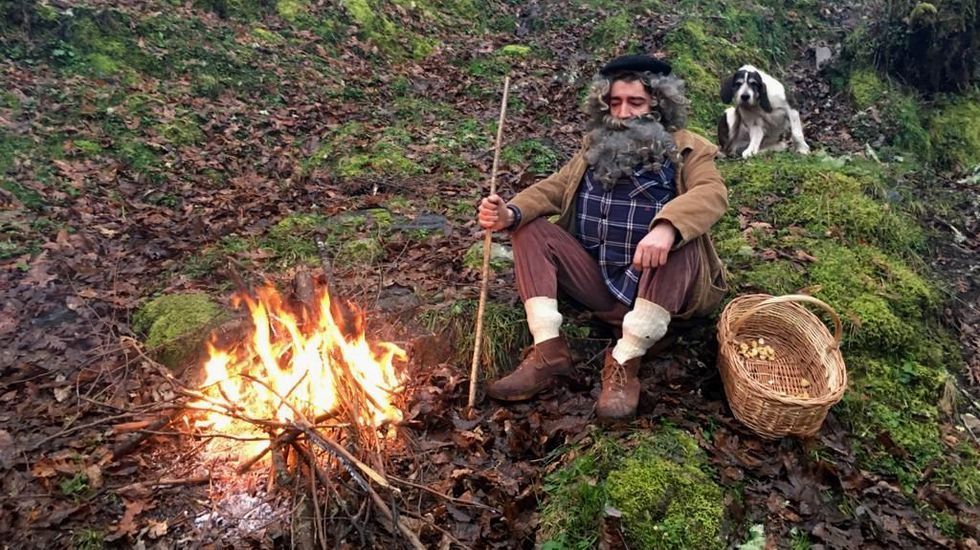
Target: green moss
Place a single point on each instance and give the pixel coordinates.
(492, 67)
(374, 25)
(962, 472)
(291, 10)
(354, 151)
(182, 131)
(364, 251)
(516, 50)
(895, 114)
(538, 157)
(240, 9)
(384, 159)
(574, 503)
(955, 132)
(702, 58)
(88, 148)
(267, 36)
(774, 277)
(823, 199)
(866, 88)
(666, 497)
(891, 407)
(176, 324)
(660, 482)
(881, 301)
(613, 33)
(132, 152)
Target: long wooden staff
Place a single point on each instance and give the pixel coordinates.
(487, 235)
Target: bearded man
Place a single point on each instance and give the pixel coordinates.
(631, 240)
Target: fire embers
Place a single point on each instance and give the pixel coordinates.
(298, 363)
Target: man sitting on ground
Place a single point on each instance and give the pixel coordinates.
(631, 241)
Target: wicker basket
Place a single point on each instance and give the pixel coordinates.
(791, 393)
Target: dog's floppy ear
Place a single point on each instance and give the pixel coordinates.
(726, 88)
(764, 96)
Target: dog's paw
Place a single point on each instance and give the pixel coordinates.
(747, 153)
(803, 149)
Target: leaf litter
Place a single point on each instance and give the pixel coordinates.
(69, 373)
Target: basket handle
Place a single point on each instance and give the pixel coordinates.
(792, 298)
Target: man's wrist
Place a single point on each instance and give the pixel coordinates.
(515, 213)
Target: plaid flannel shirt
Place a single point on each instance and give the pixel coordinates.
(611, 223)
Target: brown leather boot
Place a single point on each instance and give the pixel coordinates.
(620, 389)
(538, 371)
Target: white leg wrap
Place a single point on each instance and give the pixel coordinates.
(543, 318)
(642, 327)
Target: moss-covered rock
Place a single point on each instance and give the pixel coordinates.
(661, 482)
(955, 132)
(895, 400)
(666, 497)
(175, 325)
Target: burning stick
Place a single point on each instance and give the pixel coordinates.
(348, 460)
(487, 236)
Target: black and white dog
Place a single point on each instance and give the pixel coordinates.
(761, 120)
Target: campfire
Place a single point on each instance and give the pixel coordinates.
(300, 362)
(303, 387)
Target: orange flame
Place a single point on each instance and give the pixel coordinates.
(296, 361)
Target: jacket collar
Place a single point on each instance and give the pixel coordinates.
(684, 141)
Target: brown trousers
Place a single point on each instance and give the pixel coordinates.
(548, 259)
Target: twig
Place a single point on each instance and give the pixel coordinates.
(348, 460)
(166, 483)
(396, 523)
(127, 446)
(440, 529)
(487, 236)
(969, 429)
(968, 397)
(284, 438)
(454, 500)
(72, 430)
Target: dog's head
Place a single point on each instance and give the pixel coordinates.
(747, 87)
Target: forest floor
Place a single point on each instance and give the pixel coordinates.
(128, 183)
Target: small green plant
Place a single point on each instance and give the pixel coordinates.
(504, 333)
(88, 539)
(798, 540)
(76, 487)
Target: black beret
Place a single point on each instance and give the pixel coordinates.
(635, 64)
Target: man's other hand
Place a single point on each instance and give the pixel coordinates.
(652, 250)
(493, 214)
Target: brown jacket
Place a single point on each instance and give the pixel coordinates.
(701, 200)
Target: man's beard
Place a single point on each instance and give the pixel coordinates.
(617, 146)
